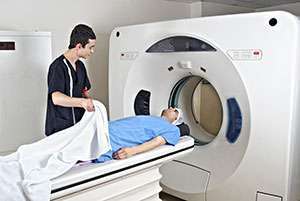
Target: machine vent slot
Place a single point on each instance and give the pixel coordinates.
(7, 45)
(180, 44)
(142, 103)
(235, 120)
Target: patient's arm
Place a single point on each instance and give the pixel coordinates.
(130, 151)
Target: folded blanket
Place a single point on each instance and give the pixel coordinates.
(26, 174)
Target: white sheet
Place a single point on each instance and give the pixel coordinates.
(25, 174)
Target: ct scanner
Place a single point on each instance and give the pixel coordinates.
(239, 75)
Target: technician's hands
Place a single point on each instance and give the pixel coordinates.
(85, 93)
(123, 153)
(87, 104)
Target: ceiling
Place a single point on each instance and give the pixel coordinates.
(244, 3)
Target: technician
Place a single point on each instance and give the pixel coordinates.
(68, 82)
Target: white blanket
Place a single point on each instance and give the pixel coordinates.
(26, 174)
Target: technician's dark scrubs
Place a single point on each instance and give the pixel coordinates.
(58, 117)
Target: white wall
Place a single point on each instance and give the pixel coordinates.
(60, 16)
(292, 8)
(210, 9)
(196, 9)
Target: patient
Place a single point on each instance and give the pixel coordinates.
(28, 171)
(133, 135)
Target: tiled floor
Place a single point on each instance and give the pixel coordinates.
(166, 197)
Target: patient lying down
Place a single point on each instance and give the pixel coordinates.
(28, 172)
(133, 135)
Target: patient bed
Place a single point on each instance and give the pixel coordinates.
(133, 179)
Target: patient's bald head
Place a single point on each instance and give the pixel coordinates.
(171, 114)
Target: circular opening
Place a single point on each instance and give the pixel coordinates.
(201, 106)
(118, 34)
(207, 108)
(273, 22)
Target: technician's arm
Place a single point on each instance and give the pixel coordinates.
(61, 99)
(130, 151)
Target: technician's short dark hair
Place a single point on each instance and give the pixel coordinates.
(81, 34)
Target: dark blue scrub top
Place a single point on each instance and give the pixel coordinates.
(58, 117)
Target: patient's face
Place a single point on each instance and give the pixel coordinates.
(171, 114)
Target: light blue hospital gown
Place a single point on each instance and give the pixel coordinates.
(136, 130)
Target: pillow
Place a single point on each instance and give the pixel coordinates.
(184, 129)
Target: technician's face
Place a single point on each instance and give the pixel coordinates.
(88, 50)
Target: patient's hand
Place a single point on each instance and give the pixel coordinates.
(124, 153)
